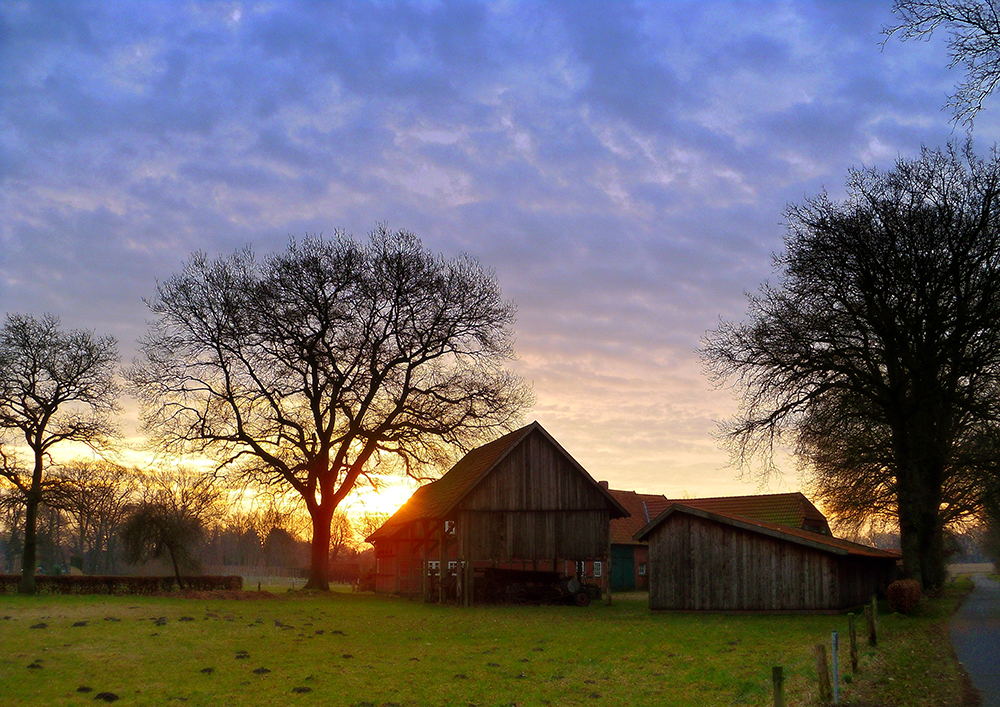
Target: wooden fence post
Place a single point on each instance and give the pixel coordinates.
(870, 618)
(778, 679)
(854, 644)
(823, 674)
(834, 654)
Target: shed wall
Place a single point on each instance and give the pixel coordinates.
(701, 565)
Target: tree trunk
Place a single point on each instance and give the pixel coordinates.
(919, 481)
(177, 569)
(30, 556)
(319, 566)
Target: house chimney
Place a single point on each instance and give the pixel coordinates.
(603, 484)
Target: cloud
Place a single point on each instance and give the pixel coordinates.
(623, 166)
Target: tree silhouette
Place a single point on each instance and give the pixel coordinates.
(56, 386)
(878, 352)
(973, 27)
(327, 363)
(170, 520)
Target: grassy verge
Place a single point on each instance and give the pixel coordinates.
(914, 663)
(361, 650)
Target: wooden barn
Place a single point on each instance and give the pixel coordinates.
(704, 560)
(630, 557)
(518, 504)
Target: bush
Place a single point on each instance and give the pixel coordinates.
(119, 585)
(904, 595)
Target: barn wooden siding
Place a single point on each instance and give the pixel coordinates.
(534, 535)
(534, 505)
(699, 564)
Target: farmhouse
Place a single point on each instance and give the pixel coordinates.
(630, 557)
(712, 560)
(518, 504)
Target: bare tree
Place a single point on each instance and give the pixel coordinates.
(56, 386)
(328, 363)
(342, 535)
(170, 519)
(878, 355)
(97, 495)
(973, 28)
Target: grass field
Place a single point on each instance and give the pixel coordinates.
(362, 650)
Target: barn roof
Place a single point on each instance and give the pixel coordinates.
(817, 541)
(438, 498)
(643, 507)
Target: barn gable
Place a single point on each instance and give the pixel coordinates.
(537, 474)
(504, 475)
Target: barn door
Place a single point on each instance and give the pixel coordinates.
(622, 568)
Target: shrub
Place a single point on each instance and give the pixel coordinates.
(120, 585)
(904, 595)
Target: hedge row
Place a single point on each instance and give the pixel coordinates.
(120, 585)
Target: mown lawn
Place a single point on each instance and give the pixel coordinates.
(354, 650)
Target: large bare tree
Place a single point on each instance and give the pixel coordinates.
(56, 386)
(327, 363)
(878, 353)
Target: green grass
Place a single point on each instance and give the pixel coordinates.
(365, 650)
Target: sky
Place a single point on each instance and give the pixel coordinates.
(623, 167)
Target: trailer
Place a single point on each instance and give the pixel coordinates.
(508, 586)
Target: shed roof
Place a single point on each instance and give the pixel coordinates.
(817, 541)
(438, 498)
(788, 509)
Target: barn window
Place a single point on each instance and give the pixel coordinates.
(433, 564)
(598, 570)
(642, 569)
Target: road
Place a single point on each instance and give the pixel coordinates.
(975, 634)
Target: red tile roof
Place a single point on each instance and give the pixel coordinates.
(437, 498)
(826, 543)
(787, 509)
(643, 508)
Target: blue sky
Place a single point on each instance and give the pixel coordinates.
(622, 166)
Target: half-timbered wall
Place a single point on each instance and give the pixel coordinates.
(698, 564)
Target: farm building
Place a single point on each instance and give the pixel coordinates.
(520, 504)
(630, 557)
(704, 560)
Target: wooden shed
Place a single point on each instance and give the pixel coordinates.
(519, 503)
(630, 557)
(703, 560)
